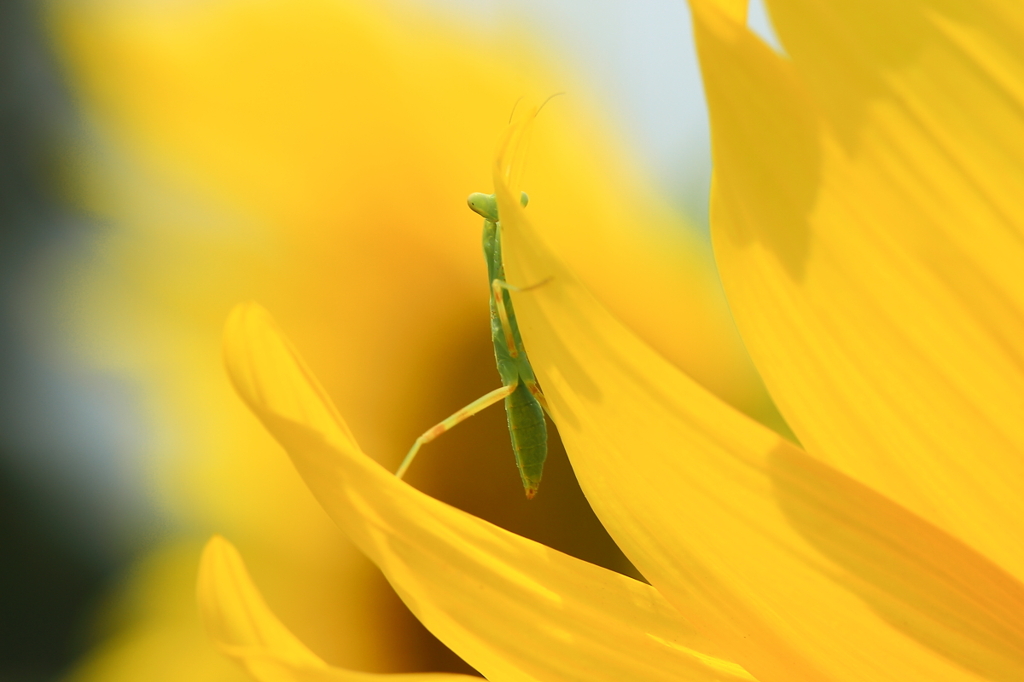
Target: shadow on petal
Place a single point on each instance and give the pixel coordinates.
(921, 580)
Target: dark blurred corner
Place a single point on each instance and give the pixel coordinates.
(51, 572)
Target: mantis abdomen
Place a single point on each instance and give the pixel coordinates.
(529, 436)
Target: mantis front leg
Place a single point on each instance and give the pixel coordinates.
(498, 288)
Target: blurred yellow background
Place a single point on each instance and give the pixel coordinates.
(316, 157)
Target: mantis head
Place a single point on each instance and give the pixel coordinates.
(486, 205)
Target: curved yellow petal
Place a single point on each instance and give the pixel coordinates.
(869, 229)
(512, 608)
(790, 567)
(642, 260)
(243, 626)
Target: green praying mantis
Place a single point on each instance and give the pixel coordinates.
(524, 401)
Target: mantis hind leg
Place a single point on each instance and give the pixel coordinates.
(475, 407)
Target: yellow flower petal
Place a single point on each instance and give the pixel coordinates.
(868, 225)
(512, 608)
(793, 569)
(244, 627)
